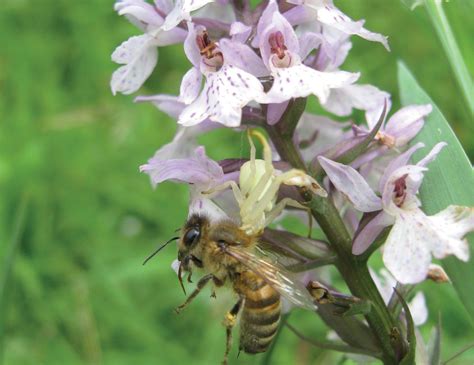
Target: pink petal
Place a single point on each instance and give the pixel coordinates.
(275, 111)
(352, 185)
(369, 233)
(168, 104)
(242, 56)
(198, 169)
(398, 162)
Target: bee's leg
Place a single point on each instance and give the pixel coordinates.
(229, 323)
(200, 285)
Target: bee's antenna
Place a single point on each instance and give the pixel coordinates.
(159, 249)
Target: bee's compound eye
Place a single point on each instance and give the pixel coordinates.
(191, 236)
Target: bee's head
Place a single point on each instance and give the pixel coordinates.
(189, 249)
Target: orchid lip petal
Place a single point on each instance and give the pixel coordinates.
(301, 81)
(415, 237)
(352, 185)
(224, 95)
(139, 57)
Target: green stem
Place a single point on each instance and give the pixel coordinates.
(355, 272)
(329, 345)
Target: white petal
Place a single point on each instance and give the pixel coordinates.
(406, 116)
(407, 250)
(432, 154)
(190, 86)
(225, 94)
(352, 184)
(364, 97)
(181, 12)
(418, 309)
(413, 177)
(139, 55)
(139, 13)
(301, 81)
(330, 15)
(384, 283)
(451, 225)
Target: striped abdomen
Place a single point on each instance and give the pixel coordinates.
(260, 315)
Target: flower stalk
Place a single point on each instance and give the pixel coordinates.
(353, 270)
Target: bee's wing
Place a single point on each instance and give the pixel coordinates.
(280, 279)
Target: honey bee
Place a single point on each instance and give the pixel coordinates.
(232, 253)
(229, 255)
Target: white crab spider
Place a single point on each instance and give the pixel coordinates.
(259, 184)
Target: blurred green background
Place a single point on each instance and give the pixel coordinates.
(77, 218)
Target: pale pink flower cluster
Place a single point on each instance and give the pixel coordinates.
(246, 66)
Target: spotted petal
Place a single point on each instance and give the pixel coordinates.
(190, 86)
(224, 95)
(139, 56)
(328, 14)
(301, 81)
(415, 237)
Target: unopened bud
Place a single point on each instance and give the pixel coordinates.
(437, 274)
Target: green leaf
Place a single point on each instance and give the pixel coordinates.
(435, 344)
(450, 179)
(409, 358)
(451, 49)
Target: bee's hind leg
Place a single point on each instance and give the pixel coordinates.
(200, 285)
(229, 322)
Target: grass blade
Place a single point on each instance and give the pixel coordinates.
(19, 225)
(451, 49)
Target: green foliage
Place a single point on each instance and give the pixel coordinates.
(77, 293)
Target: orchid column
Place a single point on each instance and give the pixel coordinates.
(257, 68)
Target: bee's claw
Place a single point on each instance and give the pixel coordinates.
(213, 294)
(179, 309)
